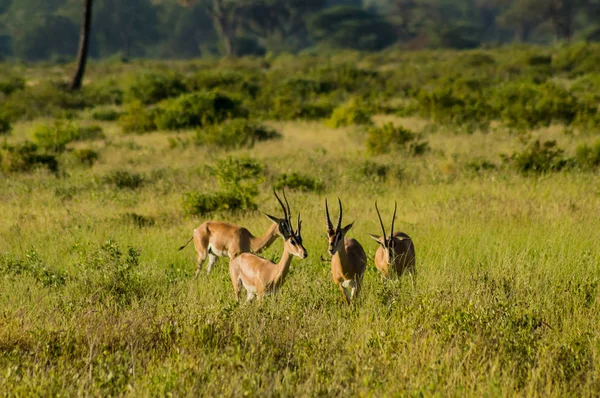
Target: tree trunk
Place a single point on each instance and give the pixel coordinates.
(84, 44)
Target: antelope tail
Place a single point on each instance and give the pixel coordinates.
(188, 242)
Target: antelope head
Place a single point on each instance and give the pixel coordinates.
(292, 239)
(336, 235)
(284, 225)
(388, 242)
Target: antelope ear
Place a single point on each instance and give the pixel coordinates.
(347, 227)
(375, 237)
(274, 219)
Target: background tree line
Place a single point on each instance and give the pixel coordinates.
(34, 30)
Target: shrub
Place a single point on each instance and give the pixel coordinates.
(125, 179)
(138, 220)
(106, 115)
(5, 126)
(539, 158)
(224, 81)
(43, 100)
(578, 59)
(195, 203)
(527, 105)
(197, 110)
(112, 275)
(350, 113)
(461, 102)
(478, 165)
(373, 171)
(299, 182)
(588, 157)
(284, 107)
(86, 156)
(235, 133)
(137, 119)
(238, 179)
(388, 138)
(25, 157)
(55, 137)
(150, 88)
(33, 266)
(10, 84)
(103, 92)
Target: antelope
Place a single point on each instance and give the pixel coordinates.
(220, 239)
(396, 253)
(349, 260)
(260, 276)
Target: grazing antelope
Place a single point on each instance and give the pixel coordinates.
(221, 239)
(349, 260)
(260, 276)
(396, 253)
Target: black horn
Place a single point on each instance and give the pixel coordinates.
(285, 213)
(381, 223)
(299, 225)
(329, 224)
(289, 212)
(393, 218)
(339, 224)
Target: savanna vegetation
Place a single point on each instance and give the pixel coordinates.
(492, 155)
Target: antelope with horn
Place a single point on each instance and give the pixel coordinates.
(396, 253)
(220, 239)
(260, 276)
(349, 260)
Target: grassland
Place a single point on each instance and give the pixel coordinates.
(95, 299)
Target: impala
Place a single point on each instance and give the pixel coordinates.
(260, 276)
(220, 239)
(349, 260)
(396, 253)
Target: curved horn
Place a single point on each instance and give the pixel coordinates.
(289, 212)
(285, 214)
(329, 224)
(393, 218)
(381, 223)
(299, 225)
(339, 225)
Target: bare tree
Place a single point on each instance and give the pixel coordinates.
(84, 44)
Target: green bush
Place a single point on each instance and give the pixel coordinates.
(111, 275)
(539, 158)
(5, 125)
(195, 203)
(103, 92)
(526, 105)
(478, 165)
(55, 137)
(228, 81)
(137, 119)
(578, 59)
(125, 179)
(138, 220)
(234, 133)
(238, 180)
(43, 100)
(150, 88)
(349, 114)
(86, 156)
(33, 266)
(197, 110)
(286, 107)
(11, 84)
(388, 138)
(106, 115)
(25, 157)
(372, 171)
(462, 102)
(299, 182)
(588, 157)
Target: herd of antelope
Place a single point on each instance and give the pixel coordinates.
(259, 276)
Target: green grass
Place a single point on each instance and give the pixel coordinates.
(506, 300)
